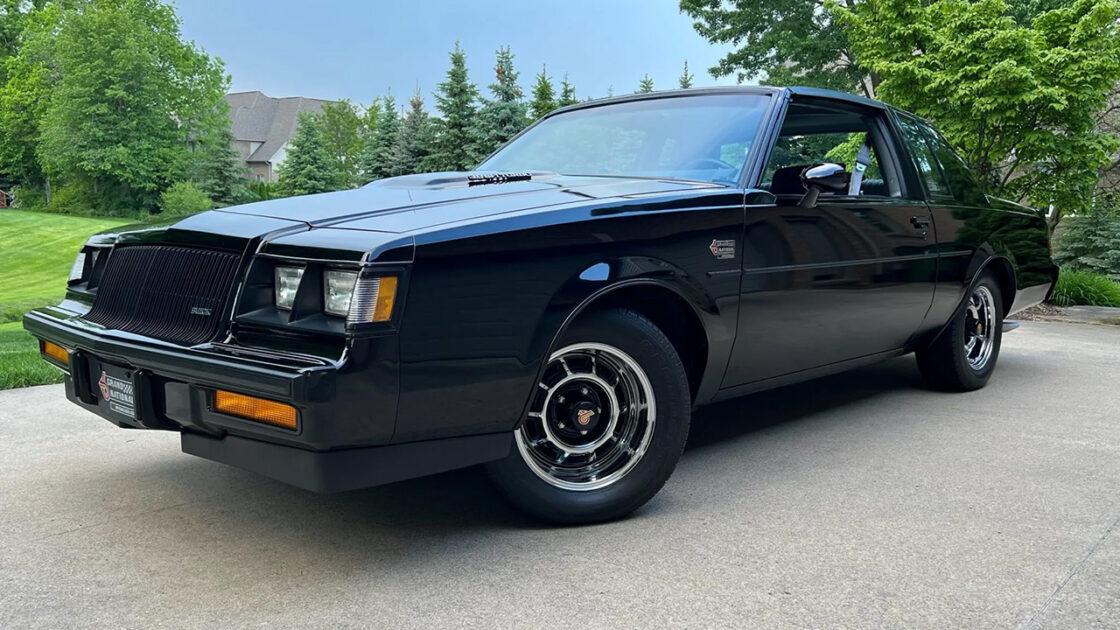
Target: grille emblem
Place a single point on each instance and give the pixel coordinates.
(199, 310)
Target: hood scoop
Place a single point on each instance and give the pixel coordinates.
(497, 178)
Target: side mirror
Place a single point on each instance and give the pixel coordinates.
(822, 178)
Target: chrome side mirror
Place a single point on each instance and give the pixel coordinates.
(822, 178)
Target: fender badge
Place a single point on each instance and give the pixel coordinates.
(722, 250)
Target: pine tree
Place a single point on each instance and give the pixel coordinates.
(410, 146)
(307, 169)
(685, 80)
(453, 149)
(645, 86)
(382, 123)
(567, 93)
(501, 118)
(544, 96)
(216, 168)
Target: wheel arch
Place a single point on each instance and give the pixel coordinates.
(660, 291)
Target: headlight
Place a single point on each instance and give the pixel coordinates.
(338, 290)
(78, 269)
(286, 285)
(360, 300)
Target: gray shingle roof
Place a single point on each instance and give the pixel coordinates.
(258, 117)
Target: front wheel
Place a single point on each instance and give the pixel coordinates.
(606, 423)
(964, 355)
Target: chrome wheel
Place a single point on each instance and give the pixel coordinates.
(591, 419)
(979, 328)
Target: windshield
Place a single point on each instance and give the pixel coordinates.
(702, 138)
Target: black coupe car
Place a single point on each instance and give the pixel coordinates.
(558, 313)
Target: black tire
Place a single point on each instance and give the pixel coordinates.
(946, 364)
(522, 478)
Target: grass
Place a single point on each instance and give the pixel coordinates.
(37, 251)
(1084, 288)
(20, 364)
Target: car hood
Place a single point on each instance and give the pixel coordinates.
(413, 202)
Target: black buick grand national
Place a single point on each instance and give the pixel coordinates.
(558, 313)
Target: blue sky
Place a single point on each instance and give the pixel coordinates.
(358, 49)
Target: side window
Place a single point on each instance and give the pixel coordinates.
(924, 159)
(966, 189)
(815, 134)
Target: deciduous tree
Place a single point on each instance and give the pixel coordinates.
(342, 135)
(1020, 102)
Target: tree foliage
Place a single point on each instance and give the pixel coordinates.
(645, 86)
(567, 93)
(382, 123)
(685, 80)
(544, 96)
(308, 167)
(410, 146)
(1020, 102)
(342, 135)
(781, 42)
(216, 168)
(454, 149)
(502, 116)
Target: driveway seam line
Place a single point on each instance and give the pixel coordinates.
(1034, 618)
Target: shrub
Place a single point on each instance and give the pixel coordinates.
(1091, 242)
(184, 198)
(1085, 288)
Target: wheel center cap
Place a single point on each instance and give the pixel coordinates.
(585, 416)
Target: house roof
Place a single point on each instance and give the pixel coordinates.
(258, 117)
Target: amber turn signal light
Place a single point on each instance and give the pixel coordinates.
(56, 352)
(386, 295)
(259, 409)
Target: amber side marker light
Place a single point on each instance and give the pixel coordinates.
(56, 352)
(386, 295)
(259, 409)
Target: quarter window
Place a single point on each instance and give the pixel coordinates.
(924, 158)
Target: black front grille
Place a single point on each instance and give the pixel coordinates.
(172, 293)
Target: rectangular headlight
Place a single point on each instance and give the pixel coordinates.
(338, 290)
(285, 286)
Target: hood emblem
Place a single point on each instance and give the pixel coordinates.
(722, 250)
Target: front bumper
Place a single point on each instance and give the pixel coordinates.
(346, 408)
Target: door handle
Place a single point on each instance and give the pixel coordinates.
(920, 222)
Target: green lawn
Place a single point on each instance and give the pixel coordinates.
(36, 251)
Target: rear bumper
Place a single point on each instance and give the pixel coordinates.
(346, 409)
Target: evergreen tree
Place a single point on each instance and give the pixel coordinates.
(544, 96)
(685, 80)
(567, 93)
(308, 168)
(382, 123)
(501, 118)
(645, 86)
(216, 168)
(410, 146)
(453, 147)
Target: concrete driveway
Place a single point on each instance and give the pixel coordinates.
(860, 500)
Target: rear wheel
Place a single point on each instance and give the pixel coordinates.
(606, 423)
(964, 356)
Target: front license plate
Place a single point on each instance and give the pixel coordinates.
(115, 388)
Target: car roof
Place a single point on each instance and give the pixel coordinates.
(794, 91)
